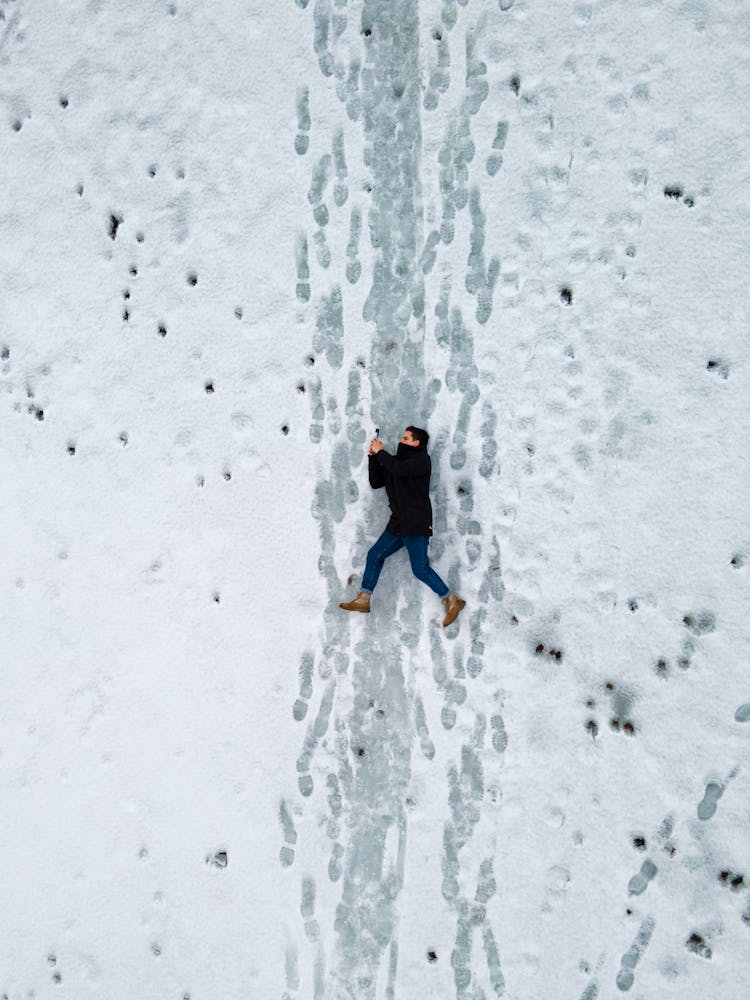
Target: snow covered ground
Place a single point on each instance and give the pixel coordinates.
(235, 237)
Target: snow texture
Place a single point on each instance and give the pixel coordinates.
(236, 238)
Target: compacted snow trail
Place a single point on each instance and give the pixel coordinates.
(375, 726)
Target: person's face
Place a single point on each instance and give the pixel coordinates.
(406, 438)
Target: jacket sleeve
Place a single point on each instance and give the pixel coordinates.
(407, 468)
(377, 475)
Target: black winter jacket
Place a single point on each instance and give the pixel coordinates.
(406, 477)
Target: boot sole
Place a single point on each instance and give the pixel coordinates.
(362, 611)
(449, 619)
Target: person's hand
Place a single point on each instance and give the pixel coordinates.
(376, 445)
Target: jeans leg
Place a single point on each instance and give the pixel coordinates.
(385, 546)
(416, 546)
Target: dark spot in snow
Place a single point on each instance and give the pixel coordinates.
(432, 957)
(673, 191)
(566, 296)
(700, 623)
(697, 945)
(721, 368)
(114, 225)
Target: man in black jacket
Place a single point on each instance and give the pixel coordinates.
(406, 477)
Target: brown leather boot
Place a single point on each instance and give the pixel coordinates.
(453, 608)
(360, 603)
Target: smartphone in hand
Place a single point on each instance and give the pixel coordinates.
(377, 434)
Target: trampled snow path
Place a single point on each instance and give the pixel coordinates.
(368, 776)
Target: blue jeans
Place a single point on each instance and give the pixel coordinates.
(416, 546)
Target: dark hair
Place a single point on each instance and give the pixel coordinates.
(420, 434)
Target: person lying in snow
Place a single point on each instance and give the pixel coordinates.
(406, 477)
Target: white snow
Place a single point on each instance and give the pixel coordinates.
(405, 811)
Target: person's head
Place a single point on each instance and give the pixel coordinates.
(414, 437)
